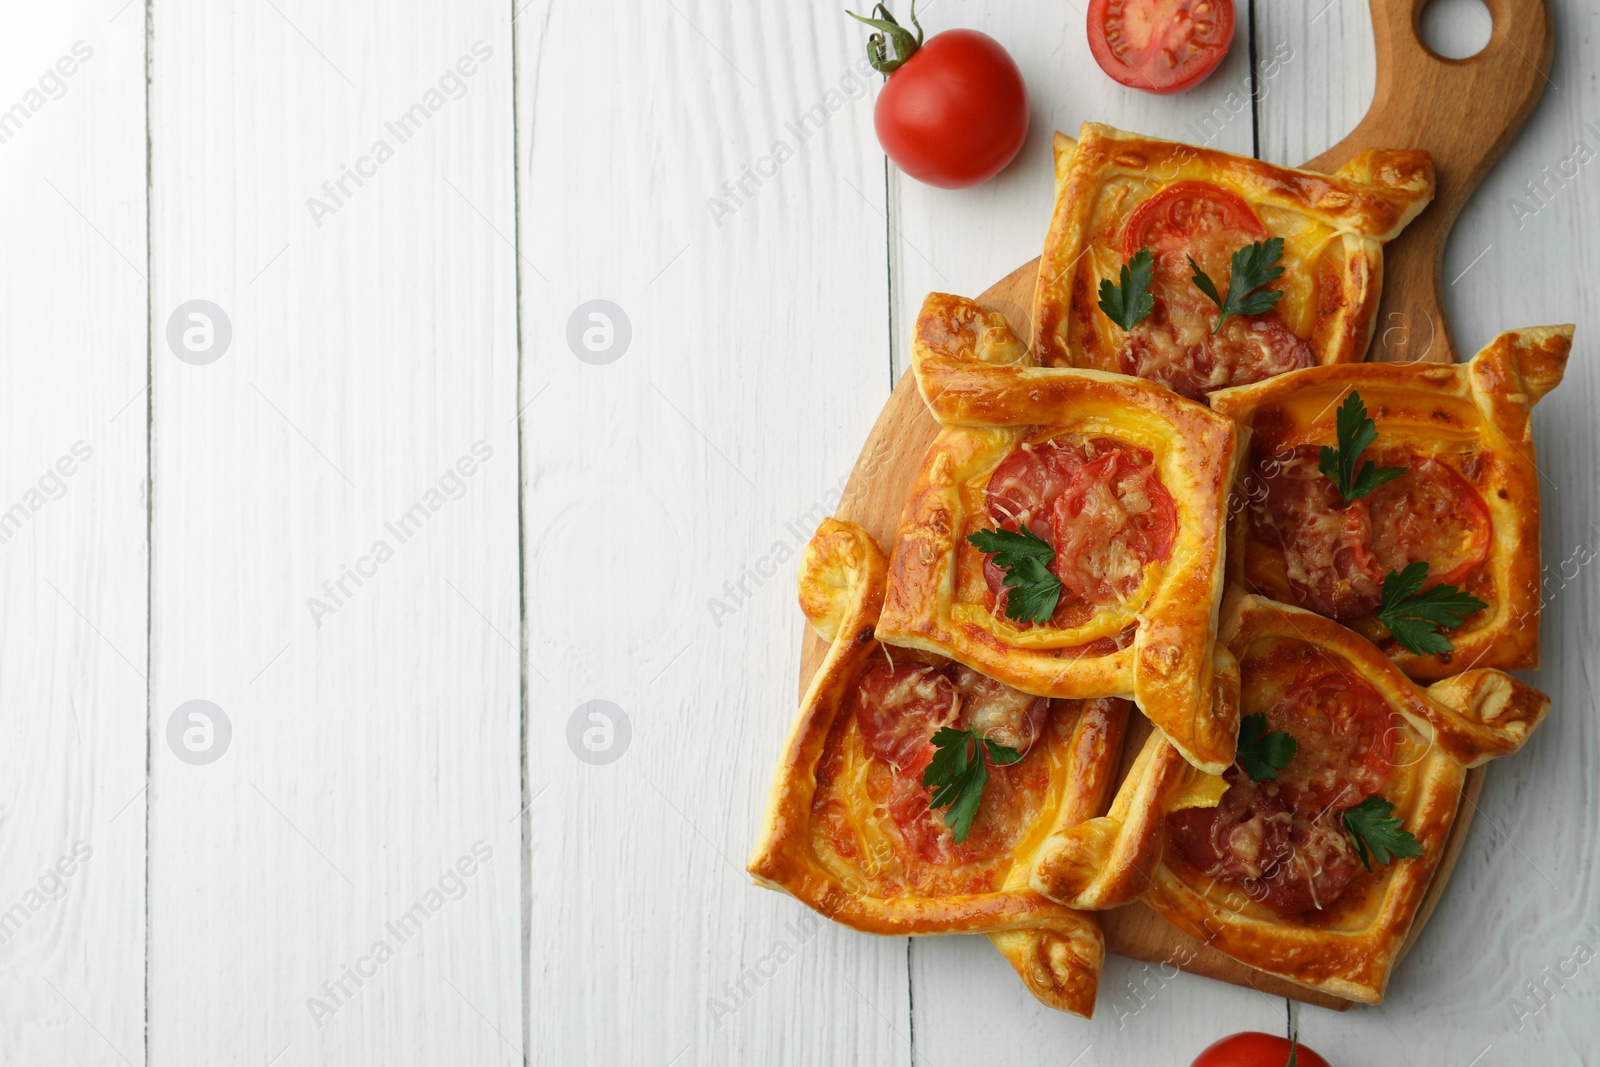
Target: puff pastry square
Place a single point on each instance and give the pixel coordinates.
(1468, 504)
(1205, 203)
(1150, 636)
(849, 833)
(1268, 875)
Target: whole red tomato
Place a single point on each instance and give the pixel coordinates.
(1256, 1050)
(954, 111)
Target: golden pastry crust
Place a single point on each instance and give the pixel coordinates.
(1056, 951)
(1107, 862)
(1476, 418)
(1333, 226)
(1349, 947)
(979, 380)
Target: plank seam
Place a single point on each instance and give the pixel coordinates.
(1255, 94)
(889, 281)
(888, 258)
(1255, 150)
(150, 490)
(525, 868)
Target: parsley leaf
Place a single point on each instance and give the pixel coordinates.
(1355, 432)
(1025, 557)
(1377, 834)
(1414, 616)
(957, 775)
(1263, 753)
(1131, 301)
(1254, 268)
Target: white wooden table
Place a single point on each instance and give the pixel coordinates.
(404, 523)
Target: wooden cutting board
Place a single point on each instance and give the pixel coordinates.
(1464, 112)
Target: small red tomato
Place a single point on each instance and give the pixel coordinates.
(1160, 46)
(954, 111)
(1257, 1050)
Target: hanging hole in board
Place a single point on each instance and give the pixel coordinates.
(1456, 29)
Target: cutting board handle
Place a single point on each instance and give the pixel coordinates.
(1464, 112)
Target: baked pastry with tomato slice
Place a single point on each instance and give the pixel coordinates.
(1309, 857)
(1201, 270)
(1064, 534)
(854, 830)
(1402, 499)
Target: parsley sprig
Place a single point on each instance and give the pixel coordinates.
(1025, 557)
(1262, 752)
(1414, 616)
(1126, 304)
(1377, 834)
(1254, 268)
(958, 775)
(1355, 431)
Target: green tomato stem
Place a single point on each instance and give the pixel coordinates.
(905, 45)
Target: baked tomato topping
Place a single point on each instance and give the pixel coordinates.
(1099, 504)
(1175, 344)
(1192, 218)
(898, 707)
(1282, 842)
(1327, 546)
(1281, 859)
(1344, 735)
(1430, 513)
(1336, 555)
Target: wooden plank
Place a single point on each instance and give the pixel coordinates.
(72, 536)
(669, 491)
(1517, 904)
(343, 884)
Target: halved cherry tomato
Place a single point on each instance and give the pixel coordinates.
(1256, 1050)
(1160, 46)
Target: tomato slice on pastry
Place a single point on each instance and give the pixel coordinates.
(1098, 503)
(897, 707)
(1336, 554)
(1176, 345)
(1282, 842)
